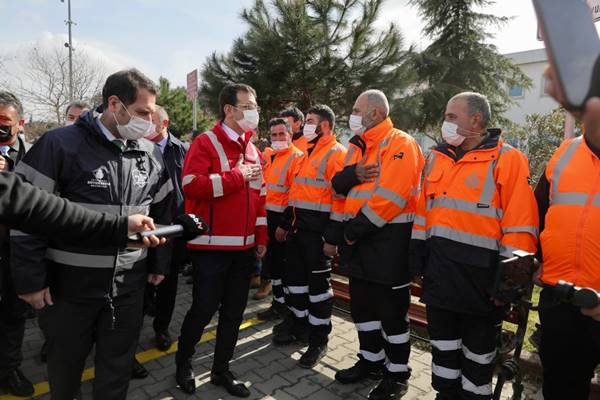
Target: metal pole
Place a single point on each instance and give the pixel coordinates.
(69, 23)
(195, 113)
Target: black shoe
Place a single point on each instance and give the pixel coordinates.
(312, 356)
(17, 384)
(163, 341)
(138, 371)
(227, 380)
(388, 389)
(360, 371)
(184, 376)
(284, 326)
(285, 338)
(44, 352)
(270, 314)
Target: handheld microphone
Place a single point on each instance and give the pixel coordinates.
(186, 226)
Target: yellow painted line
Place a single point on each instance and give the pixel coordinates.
(143, 357)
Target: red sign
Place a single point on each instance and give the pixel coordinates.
(192, 85)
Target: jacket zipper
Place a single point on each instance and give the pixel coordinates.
(109, 295)
(580, 227)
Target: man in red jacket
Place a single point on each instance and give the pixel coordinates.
(223, 183)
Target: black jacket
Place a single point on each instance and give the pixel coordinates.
(81, 164)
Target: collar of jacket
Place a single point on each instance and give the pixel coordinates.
(487, 149)
(88, 122)
(376, 134)
(220, 132)
(324, 140)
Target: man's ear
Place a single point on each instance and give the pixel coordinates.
(165, 123)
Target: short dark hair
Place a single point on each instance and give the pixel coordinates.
(125, 85)
(280, 121)
(229, 93)
(77, 104)
(9, 99)
(324, 112)
(293, 112)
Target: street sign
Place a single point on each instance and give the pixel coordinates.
(192, 85)
(594, 8)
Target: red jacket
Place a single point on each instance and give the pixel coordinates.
(215, 190)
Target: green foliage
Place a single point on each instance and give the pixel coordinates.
(300, 53)
(180, 109)
(460, 58)
(538, 138)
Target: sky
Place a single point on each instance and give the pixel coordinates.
(171, 38)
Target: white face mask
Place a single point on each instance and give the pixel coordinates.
(355, 124)
(279, 145)
(67, 123)
(153, 134)
(310, 132)
(450, 134)
(135, 129)
(250, 120)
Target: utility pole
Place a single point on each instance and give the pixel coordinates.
(69, 45)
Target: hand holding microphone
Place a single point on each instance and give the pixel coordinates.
(186, 226)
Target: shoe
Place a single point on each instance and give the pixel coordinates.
(163, 341)
(44, 352)
(312, 356)
(264, 290)
(284, 326)
(389, 389)
(360, 371)
(270, 314)
(17, 384)
(255, 282)
(227, 380)
(285, 338)
(138, 371)
(184, 376)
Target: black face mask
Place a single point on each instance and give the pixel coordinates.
(5, 133)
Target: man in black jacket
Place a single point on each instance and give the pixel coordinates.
(13, 311)
(98, 293)
(173, 151)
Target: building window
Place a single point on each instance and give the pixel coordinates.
(544, 93)
(516, 91)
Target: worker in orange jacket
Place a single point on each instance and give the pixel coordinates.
(476, 207)
(379, 182)
(568, 195)
(280, 164)
(296, 120)
(307, 227)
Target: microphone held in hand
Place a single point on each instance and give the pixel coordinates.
(186, 226)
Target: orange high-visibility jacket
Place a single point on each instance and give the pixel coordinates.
(278, 171)
(392, 196)
(482, 200)
(570, 239)
(311, 195)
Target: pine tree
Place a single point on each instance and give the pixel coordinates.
(300, 53)
(461, 58)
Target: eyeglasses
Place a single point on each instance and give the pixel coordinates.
(245, 107)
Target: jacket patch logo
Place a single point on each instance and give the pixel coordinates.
(140, 178)
(472, 181)
(99, 178)
(399, 156)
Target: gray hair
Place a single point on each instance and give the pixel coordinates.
(77, 104)
(376, 99)
(162, 113)
(9, 99)
(476, 103)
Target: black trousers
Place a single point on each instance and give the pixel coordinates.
(308, 292)
(12, 325)
(165, 294)
(274, 264)
(74, 326)
(380, 314)
(463, 349)
(570, 349)
(221, 282)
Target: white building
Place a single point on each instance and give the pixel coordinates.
(533, 100)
